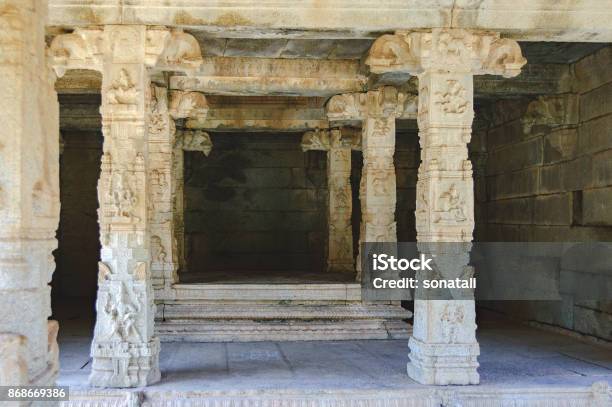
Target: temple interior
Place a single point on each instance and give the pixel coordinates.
(191, 193)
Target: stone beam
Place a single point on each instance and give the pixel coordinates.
(273, 76)
(541, 20)
(261, 118)
(534, 79)
(78, 113)
(308, 77)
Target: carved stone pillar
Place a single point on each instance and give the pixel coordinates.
(377, 191)
(29, 196)
(443, 346)
(339, 201)
(377, 111)
(137, 136)
(164, 218)
(186, 140)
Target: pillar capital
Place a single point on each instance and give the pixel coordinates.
(380, 102)
(326, 139)
(446, 50)
(91, 48)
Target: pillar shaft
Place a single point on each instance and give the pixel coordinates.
(124, 350)
(377, 191)
(443, 347)
(339, 204)
(339, 195)
(29, 193)
(161, 138)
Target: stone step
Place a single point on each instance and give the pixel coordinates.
(200, 330)
(266, 312)
(184, 310)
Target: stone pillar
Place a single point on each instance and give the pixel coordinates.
(165, 189)
(339, 201)
(376, 110)
(186, 140)
(29, 196)
(185, 105)
(125, 351)
(443, 346)
(377, 191)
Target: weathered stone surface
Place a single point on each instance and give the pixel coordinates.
(595, 206)
(511, 211)
(514, 184)
(602, 169)
(553, 209)
(534, 21)
(591, 72)
(266, 76)
(515, 157)
(595, 135)
(29, 194)
(566, 176)
(560, 145)
(597, 102)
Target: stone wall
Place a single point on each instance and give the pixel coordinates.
(258, 195)
(543, 171)
(257, 202)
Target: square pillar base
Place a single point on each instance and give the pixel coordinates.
(443, 364)
(124, 364)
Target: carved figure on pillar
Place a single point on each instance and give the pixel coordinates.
(377, 110)
(443, 346)
(138, 149)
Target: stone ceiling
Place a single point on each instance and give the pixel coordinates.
(535, 52)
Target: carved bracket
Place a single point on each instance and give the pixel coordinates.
(194, 140)
(387, 100)
(448, 50)
(85, 48)
(188, 104)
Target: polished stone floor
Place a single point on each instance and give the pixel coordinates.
(512, 355)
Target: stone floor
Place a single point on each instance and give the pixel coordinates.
(512, 356)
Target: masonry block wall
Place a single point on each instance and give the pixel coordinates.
(257, 202)
(543, 169)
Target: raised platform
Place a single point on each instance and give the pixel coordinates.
(280, 312)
